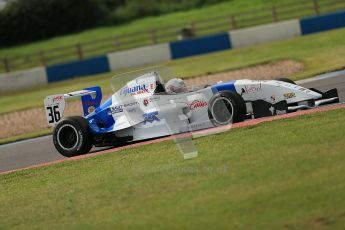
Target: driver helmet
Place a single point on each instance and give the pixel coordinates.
(175, 85)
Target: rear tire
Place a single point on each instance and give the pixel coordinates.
(226, 107)
(287, 80)
(72, 136)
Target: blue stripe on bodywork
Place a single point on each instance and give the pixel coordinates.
(105, 105)
(224, 86)
(102, 121)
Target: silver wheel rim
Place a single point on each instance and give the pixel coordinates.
(59, 137)
(224, 101)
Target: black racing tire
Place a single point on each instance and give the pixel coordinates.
(287, 80)
(226, 107)
(72, 136)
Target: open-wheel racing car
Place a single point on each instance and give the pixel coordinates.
(143, 109)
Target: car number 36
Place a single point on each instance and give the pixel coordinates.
(53, 114)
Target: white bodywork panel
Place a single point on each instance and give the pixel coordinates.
(146, 114)
(133, 95)
(273, 91)
(176, 113)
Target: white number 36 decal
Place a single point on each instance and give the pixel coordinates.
(54, 106)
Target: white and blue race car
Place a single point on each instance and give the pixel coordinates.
(142, 109)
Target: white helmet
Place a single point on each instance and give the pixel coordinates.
(175, 85)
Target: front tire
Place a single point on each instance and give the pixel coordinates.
(72, 136)
(226, 107)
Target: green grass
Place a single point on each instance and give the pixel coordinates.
(248, 178)
(208, 20)
(319, 52)
(144, 24)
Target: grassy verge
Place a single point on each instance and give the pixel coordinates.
(320, 53)
(248, 178)
(145, 24)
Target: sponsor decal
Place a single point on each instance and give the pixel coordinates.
(153, 99)
(146, 102)
(200, 125)
(135, 90)
(132, 110)
(116, 109)
(150, 117)
(57, 98)
(273, 98)
(251, 89)
(197, 104)
(90, 103)
(289, 95)
(131, 104)
(90, 109)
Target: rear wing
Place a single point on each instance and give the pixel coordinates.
(79, 93)
(54, 105)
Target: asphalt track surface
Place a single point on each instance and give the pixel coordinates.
(41, 151)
